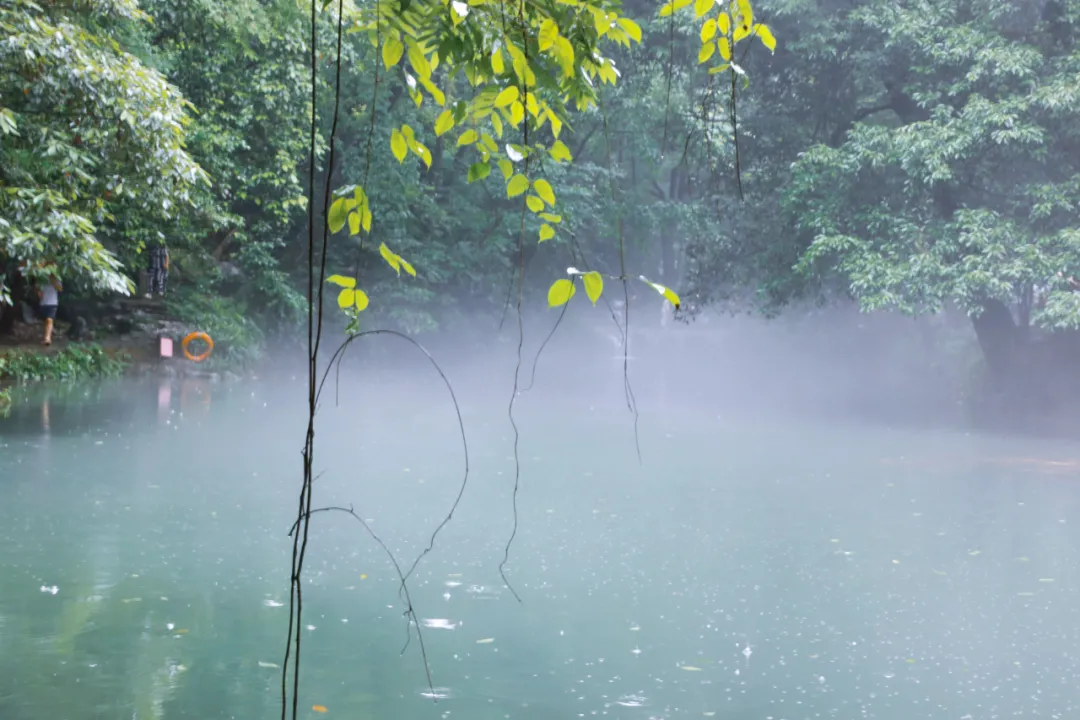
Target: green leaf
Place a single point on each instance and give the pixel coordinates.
(594, 285)
(468, 137)
(517, 185)
(535, 204)
(336, 216)
(398, 145)
(703, 6)
(546, 232)
(543, 188)
(497, 65)
(507, 96)
(507, 168)
(479, 171)
(391, 258)
(560, 292)
(551, 218)
(559, 152)
(444, 122)
(392, 50)
(496, 124)
(668, 294)
(342, 281)
(354, 223)
(766, 36)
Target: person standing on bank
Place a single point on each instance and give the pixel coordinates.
(159, 270)
(49, 297)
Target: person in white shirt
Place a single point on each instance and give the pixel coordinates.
(49, 295)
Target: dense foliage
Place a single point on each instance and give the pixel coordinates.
(72, 363)
(914, 156)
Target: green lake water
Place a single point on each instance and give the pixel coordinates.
(746, 570)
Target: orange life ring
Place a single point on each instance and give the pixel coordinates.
(201, 356)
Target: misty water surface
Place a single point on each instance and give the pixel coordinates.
(749, 568)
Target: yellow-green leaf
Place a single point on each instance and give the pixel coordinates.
(551, 217)
(559, 152)
(556, 123)
(496, 124)
(424, 153)
(725, 48)
(564, 53)
(336, 217)
(419, 63)
(366, 220)
(406, 266)
(507, 168)
(360, 300)
(392, 50)
(391, 258)
(535, 204)
(703, 6)
(398, 145)
(468, 137)
(594, 285)
(517, 185)
(723, 23)
(342, 281)
(517, 113)
(489, 142)
(708, 30)
(546, 232)
(740, 34)
(560, 292)
(548, 32)
(444, 122)
(531, 104)
(746, 14)
(507, 96)
(543, 188)
(632, 28)
(707, 51)
(346, 298)
(766, 36)
(666, 10)
(668, 294)
(354, 223)
(497, 65)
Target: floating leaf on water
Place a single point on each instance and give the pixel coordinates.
(485, 641)
(319, 708)
(268, 664)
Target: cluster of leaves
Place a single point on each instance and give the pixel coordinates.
(930, 158)
(74, 362)
(524, 65)
(5, 401)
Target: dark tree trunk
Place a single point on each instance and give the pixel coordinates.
(999, 338)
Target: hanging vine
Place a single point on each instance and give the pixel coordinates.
(525, 76)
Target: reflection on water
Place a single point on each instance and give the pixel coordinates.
(783, 572)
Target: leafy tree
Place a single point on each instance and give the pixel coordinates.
(89, 132)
